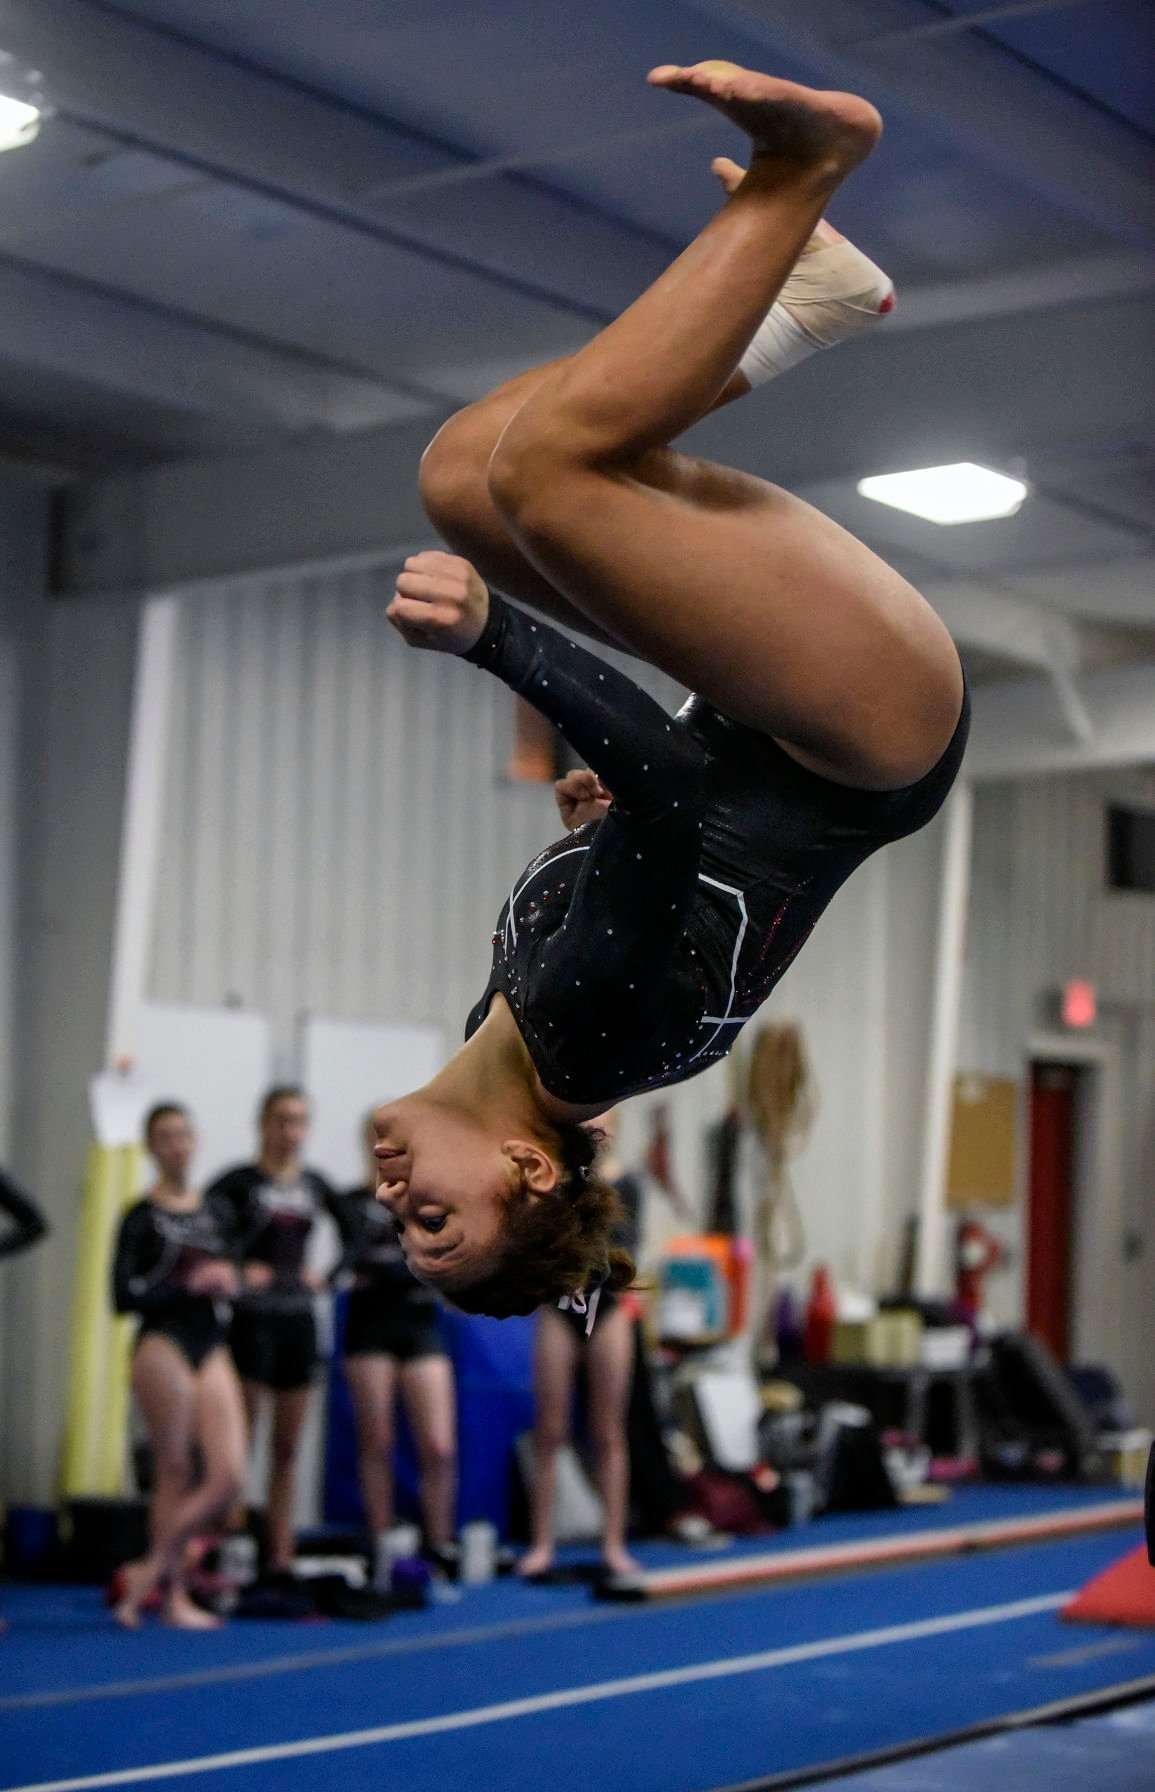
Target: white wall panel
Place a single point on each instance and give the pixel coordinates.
(339, 834)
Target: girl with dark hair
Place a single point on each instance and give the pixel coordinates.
(831, 719)
(173, 1267)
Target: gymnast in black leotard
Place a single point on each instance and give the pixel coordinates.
(631, 952)
(163, 1256)
(395, 1355)
(174, 1267)
(832, 714)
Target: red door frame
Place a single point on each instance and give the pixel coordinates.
(1051, 1163)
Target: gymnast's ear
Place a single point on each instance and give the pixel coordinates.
(537, 1171)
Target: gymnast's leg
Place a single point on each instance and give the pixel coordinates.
(769, 609)
(833, 292)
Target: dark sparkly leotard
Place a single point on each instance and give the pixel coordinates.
(632, 952)
(156, 1249)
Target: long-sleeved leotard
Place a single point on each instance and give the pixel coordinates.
(389, 1312)
(274, 1336)
(156, 1249)
(632, 951)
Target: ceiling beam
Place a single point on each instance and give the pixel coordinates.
(969, 92)
(1019, 731)
(1013, 629)
(310, 151)
(1073, 281)
(970, 21)
(124, 345)
(1003, 387)
(1122, 592)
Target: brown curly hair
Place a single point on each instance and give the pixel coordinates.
(557, 1243)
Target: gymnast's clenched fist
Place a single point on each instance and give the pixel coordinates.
(440, 603)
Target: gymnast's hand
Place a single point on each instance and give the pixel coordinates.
(581, 796)
(441, 603)
(214, 1276)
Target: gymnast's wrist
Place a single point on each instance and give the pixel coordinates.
(486, 643)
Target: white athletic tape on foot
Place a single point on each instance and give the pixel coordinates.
(834, 291)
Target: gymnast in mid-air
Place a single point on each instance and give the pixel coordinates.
(830, 716)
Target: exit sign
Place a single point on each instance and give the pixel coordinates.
(1079, 1004)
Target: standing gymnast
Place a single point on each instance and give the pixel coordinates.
(272, 1207)
(831, 719)
(394, 1353)
(173, 1267)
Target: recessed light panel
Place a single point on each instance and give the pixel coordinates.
(963, 493)
(19, 122)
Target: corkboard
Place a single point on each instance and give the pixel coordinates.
(983, 1140)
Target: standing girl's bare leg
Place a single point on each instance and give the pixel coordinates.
(427, 1389)
(180, 1405)
(555, 1361)
(290, 1409)
(769, 609)
(372, 1382)
(455, 492)
(609, 1367)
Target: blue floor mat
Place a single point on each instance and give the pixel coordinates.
(81, 1698)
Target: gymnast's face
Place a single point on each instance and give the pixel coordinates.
(445, 1179)
(172, 1143)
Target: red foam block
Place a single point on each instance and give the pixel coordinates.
(1122, 1594)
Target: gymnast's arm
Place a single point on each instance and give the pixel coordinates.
(28, 1223)
(639, 873)
(139, 1269)
(652, 767)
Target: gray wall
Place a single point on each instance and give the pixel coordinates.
(66, 672)
(22, 614)
(22, 618)
(1040, 914)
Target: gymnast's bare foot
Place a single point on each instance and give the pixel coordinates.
(536, 1562)
(184, 1613)
(832, 132)
(137, 1582)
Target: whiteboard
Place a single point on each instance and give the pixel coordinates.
(218, 1062)
(347, 1067)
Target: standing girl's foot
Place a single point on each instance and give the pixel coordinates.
(619, 1576)
(184, 1613)
(536, 1563)
(620, 1561)
(830, 131)
(137, 1582)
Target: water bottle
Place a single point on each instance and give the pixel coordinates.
(478, 1552)
(400, 1543)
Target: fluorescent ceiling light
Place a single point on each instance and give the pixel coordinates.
(19, 122)
(963, 493)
